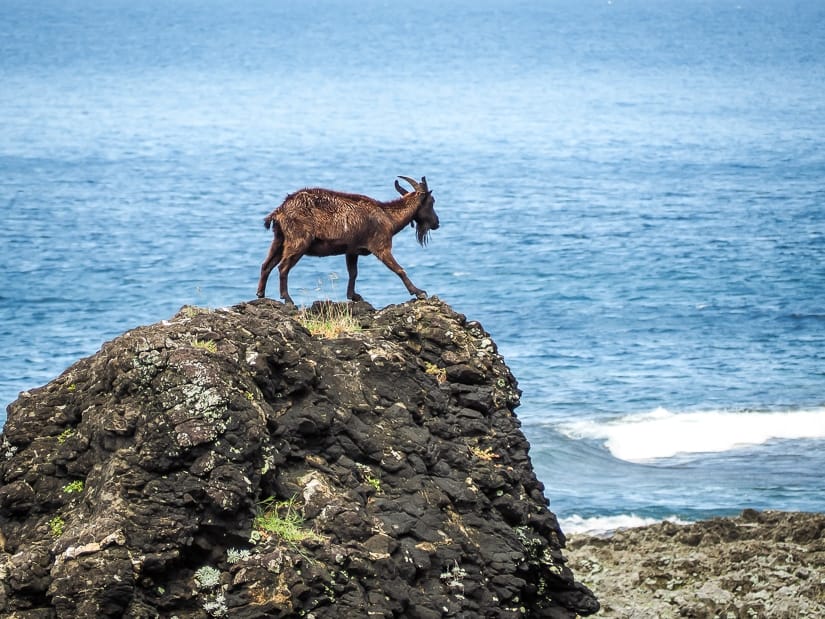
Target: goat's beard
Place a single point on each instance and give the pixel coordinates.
(422, 233)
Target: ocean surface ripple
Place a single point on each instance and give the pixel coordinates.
(630, 194)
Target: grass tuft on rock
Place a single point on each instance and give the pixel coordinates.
(329, 320)
(207, 345)
(281, 519)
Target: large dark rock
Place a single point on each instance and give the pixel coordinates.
(131, 483)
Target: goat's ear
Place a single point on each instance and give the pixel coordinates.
(399, 188)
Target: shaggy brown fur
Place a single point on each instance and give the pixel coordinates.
(322, 222)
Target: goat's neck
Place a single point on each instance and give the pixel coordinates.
(401, 211)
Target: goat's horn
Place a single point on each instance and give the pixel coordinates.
(400, 189)
(412, 182)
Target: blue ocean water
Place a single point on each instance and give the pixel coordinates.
(631, 196)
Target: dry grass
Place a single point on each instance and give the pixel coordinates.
(207, 345)
(329, 320)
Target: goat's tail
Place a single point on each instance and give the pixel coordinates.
(269, 219)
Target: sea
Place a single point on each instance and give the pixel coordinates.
(631, 195)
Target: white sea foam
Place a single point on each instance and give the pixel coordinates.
(663, 434)
(604, 525)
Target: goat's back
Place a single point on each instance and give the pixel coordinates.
(327, 199)
(324, 213)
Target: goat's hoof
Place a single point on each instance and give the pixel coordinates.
(355, 298)
(260, 294)
(421, 294)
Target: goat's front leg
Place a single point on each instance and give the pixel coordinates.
(352, 270)
(385, 256)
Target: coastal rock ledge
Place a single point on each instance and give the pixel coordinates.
(227, 463)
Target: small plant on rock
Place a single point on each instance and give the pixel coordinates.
(65, 435)
(207, 345)
(217, 607)
(453, 578)
(374, 482)
(73, 486)
(56, 526)
(369, 477)
(207, 577)
(234, 555)
(8, 450)
(281, 519)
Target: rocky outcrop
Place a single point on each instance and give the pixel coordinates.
(759, 564)
(228, 463)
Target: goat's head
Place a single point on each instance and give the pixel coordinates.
(425, 218)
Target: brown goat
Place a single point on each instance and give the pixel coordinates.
(321, 222)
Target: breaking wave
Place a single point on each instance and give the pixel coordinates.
(664, 434)
(605, 525)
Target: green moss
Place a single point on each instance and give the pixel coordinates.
(65, 435)
(370, 477)
(56, 526)
(74, 486)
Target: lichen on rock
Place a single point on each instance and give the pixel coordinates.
(394, 447)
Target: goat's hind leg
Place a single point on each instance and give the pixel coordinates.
(272, 259)
(287, 262)
(352, 270)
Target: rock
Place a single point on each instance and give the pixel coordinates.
(229, 464)
(760, 564)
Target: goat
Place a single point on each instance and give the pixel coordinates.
(322, 222)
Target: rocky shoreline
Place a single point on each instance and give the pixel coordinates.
(757, 565)
(233, 463)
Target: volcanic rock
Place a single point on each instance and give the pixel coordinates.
(227, 463)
